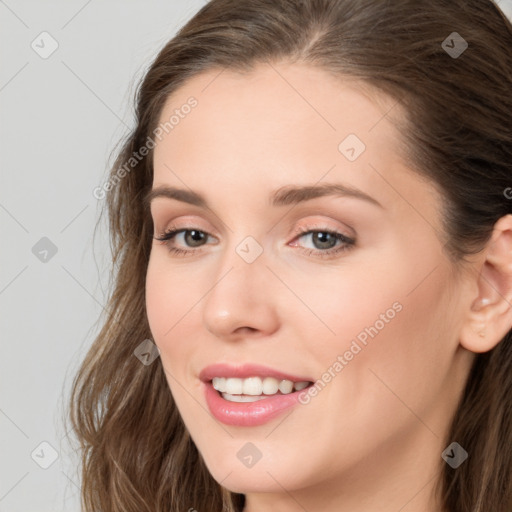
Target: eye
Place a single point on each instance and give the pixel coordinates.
(326, 242)
(194, 237)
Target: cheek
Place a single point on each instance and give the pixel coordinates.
(390, 312)
(168, 303)
(401, 341)
(169, 306)
(157, 300)
(394, 350)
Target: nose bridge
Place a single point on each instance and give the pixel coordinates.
(239, 296)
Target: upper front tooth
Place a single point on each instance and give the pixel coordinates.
(252, 386)
(233, 386)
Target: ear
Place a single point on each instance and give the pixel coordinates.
(490, 315)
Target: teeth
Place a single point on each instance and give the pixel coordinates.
(270, 386)
(286, 386)
(219, 383)
(254, 387)
(234, 386)
(300, 385)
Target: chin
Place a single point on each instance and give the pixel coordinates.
(268, 474)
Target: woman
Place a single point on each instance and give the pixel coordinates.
(312, 234)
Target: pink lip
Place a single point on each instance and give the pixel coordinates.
(247, 414)
(246, 370)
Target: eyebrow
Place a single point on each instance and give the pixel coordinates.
(284, 196)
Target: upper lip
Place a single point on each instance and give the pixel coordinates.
(247, 370)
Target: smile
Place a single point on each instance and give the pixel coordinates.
(250, 395)
(254, 388)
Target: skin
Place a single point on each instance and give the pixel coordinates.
(372, 439)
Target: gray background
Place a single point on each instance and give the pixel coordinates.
(61, 117)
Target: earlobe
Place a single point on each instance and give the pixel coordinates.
(490, 315)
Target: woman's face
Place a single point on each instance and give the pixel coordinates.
(371, 316)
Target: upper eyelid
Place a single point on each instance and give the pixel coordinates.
(195, 224)
(317, 213)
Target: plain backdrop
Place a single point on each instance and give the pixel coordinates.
(68, 73)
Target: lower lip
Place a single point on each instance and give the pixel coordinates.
(248, 414)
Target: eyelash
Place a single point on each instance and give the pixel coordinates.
(348, 243)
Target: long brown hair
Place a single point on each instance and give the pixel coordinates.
(136, 452)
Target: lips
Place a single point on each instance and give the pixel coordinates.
(250, 409)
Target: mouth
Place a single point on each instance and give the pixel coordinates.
(255, 388)
(250, 395)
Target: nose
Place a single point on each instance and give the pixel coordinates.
(242, 301)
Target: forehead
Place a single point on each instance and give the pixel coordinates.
(292, 111)
(276, 103)
(282, 123)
